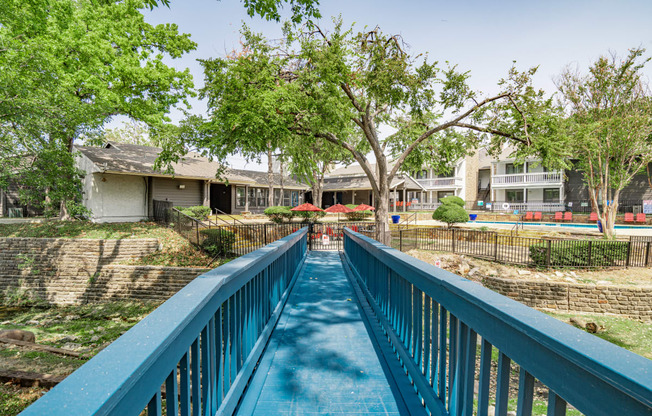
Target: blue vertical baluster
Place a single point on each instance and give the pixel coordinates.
(196, 377)
(452, 354)
(205, 371)
(443, 326)
(427, 323)
(556, 405)
(502, 384)
(212, 360)
(171, 394)
(525, 393)
(154, 405)
(434, 346)
(184, 390)
(419, 328)
(469, 379)
(415, 326)
(485, 375)
(457, 387)
(226, 324)
(219, 358)
(234, 341)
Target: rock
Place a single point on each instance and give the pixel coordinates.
(524, 272)
(491, 411)
(604, 282)
(71, 346)
(18, 334)
(71, 317)
(69, 338)
(6, 323)
(91, 332)
(33, 323)
(492, 272)
(473, 271)
(573, 274)
(99, 329)
(559, 274)
(511, 413)
(95, 338)
(570, 279)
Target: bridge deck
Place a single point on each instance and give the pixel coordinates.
(319, 359)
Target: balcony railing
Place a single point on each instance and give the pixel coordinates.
(538, 178)
(435, 183)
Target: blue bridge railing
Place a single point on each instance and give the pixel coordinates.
(199, 348)
(434, 320)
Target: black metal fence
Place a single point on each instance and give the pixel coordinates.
(162, 209)
(330, 236)
(527, 251)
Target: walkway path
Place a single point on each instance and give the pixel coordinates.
(319, 360)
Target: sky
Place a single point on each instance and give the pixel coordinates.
(483, 37)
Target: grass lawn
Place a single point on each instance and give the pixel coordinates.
(86, 329)
(175, 250)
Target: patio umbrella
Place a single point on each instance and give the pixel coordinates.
(306, 207)
(338, 208)
(364, 207)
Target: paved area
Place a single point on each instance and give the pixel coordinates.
(320, 360)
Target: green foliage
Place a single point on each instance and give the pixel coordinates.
(199, 212)
(310, 216)
(452, 199)
(279, 214)
(577, 253)
(450, 213)
(218, 241)
(357, 215)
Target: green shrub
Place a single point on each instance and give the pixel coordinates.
(356, 215)
(453, 200)
(450, 213)
(576, 253)
(199, 212)
(217, 241)
(310, 216)
(279, 214)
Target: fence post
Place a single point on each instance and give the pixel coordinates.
(647, 253)
(453, 240)
(590, 250)
(548, 254)
(495, 246)
(629, 251)
(265, 234)
(310, 235)
(400, 244)
(197, 231)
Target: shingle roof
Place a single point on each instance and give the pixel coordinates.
(345, 183)
(139, 160)
(354, 170)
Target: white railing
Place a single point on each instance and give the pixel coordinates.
(522, 207)
(423, 206)
(434, 183)
(527, 179)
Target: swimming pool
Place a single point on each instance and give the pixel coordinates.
(558, 224)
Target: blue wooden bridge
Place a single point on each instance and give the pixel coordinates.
(366, 331)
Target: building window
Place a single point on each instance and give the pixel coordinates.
(261, 197)
(551, 195)
(240, 197)
(511, 169)
(444, 194)
(514, 196)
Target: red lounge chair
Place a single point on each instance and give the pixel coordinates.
(568, 216)
(528, 216)
(629, 217)
(558, 216)
(640, 217)
(537, 216)
(354, 228)
(593, 217)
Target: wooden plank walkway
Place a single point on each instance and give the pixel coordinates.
(320, 359)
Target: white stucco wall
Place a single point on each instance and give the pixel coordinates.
(111, 197)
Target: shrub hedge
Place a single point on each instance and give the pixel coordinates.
(217, 241)
(279, 214)
(578, 253)
(356, 215)
(199, 212)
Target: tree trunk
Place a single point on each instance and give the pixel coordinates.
(64, 215)
(282, 192)
(383, 233)
(270, 176)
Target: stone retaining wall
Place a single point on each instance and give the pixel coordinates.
(633, 302)
(73, 271)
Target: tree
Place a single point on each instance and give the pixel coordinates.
(340, 88)
(93, 61)
(451, 212)
(608, 127)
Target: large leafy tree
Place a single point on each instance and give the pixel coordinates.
(341, 87)
(608, 127)
(74, 64)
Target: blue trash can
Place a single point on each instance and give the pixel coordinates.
(473, 217)
(599, 226)
(396, 219)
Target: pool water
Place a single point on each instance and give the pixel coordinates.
(556, 224)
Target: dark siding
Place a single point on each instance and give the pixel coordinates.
(637, 190)
(575, 189)
(165, 189)
(11, 199)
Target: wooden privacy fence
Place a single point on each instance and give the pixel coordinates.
(528, 251)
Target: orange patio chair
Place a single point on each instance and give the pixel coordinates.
(354, 228)
(538, 216)
(558, 216)
(593, 217)
(528, 216)
(640, 217)
(629, 217)
(568, 216)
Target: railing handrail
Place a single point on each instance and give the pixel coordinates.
(559, 355)
(230, 216)
(452, 181)
(124, 375)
